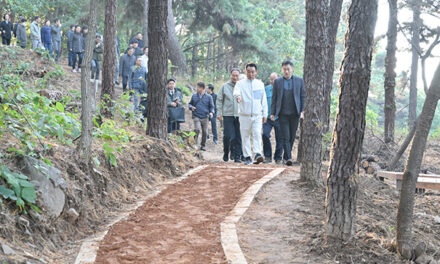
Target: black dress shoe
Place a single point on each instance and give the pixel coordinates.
(258, 159)
(226, 158)
(289, 162)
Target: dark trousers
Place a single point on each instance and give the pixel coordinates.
(6, 41)
(232, 137)
(70, 57)
(214, 127)
(124, 83)
(288, 127)
(172, 126)
(74, 58)
(267, 146)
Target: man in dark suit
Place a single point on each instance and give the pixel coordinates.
(288, 106)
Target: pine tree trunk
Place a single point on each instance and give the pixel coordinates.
(315, 81)
(332, 29)
(87, 93)
(390, 74)
(415, 62)
(412, 169)
(108, 69)
(194, 59)
(208, 58)
(145, 26)
(174, 48)
(350, 121)
(157, 69)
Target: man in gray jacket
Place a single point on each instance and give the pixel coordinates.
(128, 60)
(36, 34)
(227, 109)
(21, 33)
(56, 39)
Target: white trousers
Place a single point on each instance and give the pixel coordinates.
(251, 127)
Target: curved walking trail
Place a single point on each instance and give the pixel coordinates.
(182, 223)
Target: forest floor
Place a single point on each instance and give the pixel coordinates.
(284, 224)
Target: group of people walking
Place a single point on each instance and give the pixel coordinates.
(249, 111)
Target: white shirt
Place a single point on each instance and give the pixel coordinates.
(145, 61)
(253, 98)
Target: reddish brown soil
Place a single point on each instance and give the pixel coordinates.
(181, 224)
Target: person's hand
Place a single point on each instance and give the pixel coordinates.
(193, 109)
(272, 117)
(264, 120)
(302, 115)
(173, 104)
(239, 99)
(219, 118)
(211, 115)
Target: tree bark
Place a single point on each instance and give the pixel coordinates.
(157, 69)
(390, 74)
(332, 29)
(315, 81)
(350, 121)
(174, 48)
(108, 69)
(145, 27)
(194, 59)
(392, 163)
(415, 62)
(87, 93)
(412, 169)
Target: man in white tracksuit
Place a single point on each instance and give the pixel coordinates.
(252, 110)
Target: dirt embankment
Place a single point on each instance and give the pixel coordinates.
(97, 194)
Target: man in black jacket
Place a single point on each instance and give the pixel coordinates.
(288, 106)
(6, 30)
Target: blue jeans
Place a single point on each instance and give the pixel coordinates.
(96, 68)
(48, 47)
(232, 137)
(267, 146)
(214, 127)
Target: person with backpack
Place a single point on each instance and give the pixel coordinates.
(97, 57)
(36, 33)
(6, 30)
(76, 47)
(21, 33)
(56, 38)
(46, 37)
(202, 107)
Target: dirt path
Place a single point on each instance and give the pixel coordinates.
(280, 221)
(181, 224)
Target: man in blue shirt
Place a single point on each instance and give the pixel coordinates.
(202, 106)
(288, 106)
(267, 128)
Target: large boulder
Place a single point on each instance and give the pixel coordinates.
(49, 184)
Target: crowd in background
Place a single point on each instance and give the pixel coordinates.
(247, 109)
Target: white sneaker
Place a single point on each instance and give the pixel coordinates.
(79, 70)
(73, 70)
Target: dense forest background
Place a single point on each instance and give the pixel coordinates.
(218, 35)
